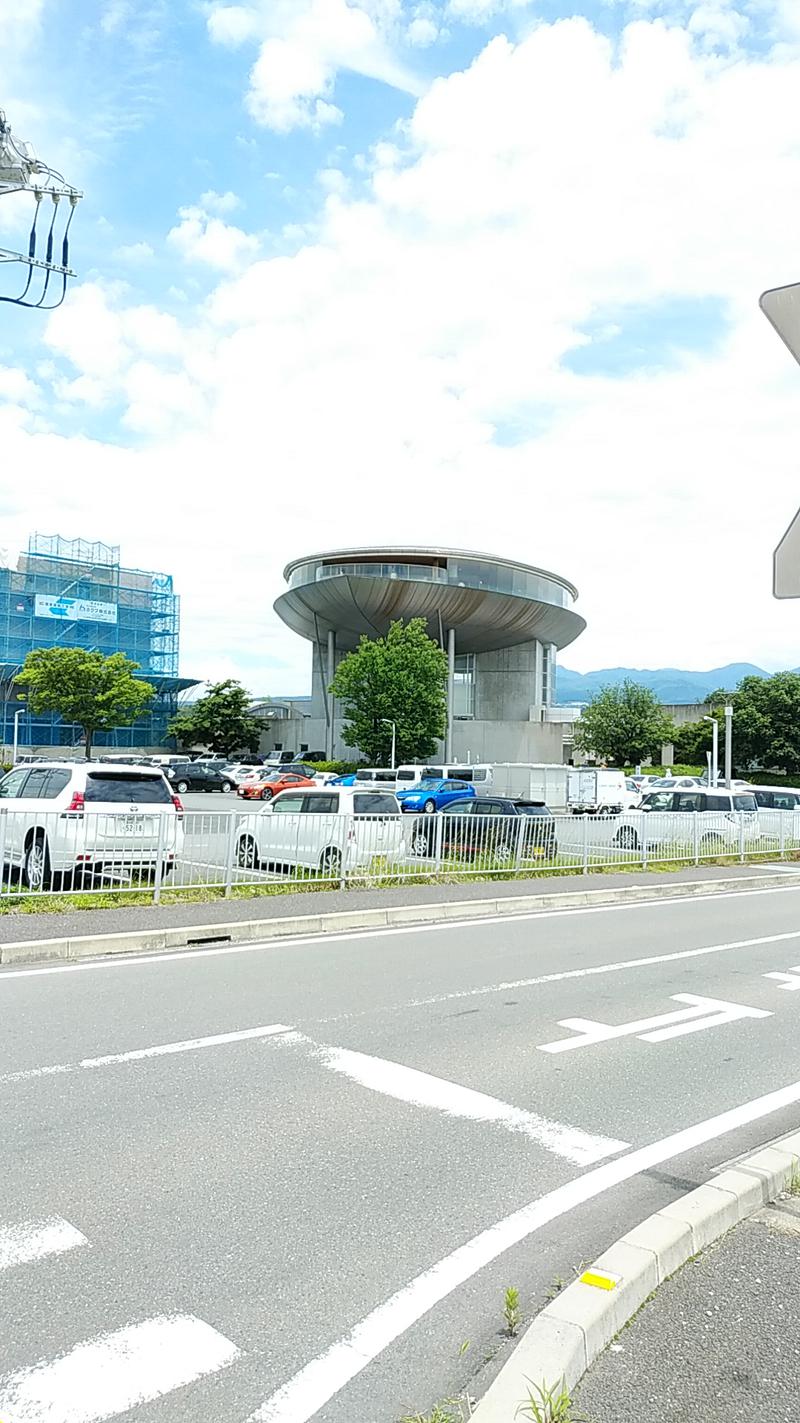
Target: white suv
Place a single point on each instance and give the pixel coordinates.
(87, 818)
(669, 817)
(330, 829)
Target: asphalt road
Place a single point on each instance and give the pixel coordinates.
(316, 1196)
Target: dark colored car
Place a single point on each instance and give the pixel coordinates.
(493, 827)
(195, 776)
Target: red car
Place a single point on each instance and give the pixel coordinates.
(265, 786)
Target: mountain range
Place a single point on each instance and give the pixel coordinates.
(670, 684)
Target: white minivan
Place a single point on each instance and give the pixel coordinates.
(331, 829)
(87, 818)
(715, 819)
(481, 776)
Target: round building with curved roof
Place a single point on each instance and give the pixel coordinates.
(501, 622)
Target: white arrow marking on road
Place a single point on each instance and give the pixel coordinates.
(35, 1239)
(703, 1013)
(790, 981)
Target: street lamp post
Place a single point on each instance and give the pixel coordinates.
(714, 748)
(17, 715)
(393, 725)
(728, 744)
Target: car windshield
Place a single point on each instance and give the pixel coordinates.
(429, 784)
(744, 802)
(129, 788)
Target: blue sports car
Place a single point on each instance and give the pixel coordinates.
(430, 795)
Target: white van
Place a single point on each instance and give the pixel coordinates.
(376, 778)
(330, 829)
(778, 811)
(721, 820)
(481, 776)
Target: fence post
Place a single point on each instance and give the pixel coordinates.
(741, 837)
(644, 845)
(230, 852)
(350, 835)
(696, 819)
(159, 860)
(438, 824)
(585, 820)
(783, 834)
(3, 823)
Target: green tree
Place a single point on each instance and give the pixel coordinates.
(691, 741)
(623, 725)
(399, 678)
(96, 692)
(766, 721)
(221, 720)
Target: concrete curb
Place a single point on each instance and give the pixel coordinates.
(568, 1335)
(149, 941)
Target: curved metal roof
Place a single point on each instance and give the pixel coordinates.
(491, 603)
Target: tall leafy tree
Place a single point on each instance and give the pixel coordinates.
(399, 678)
(766, 721)
(221, 720)
(96, 692)
(623, 724)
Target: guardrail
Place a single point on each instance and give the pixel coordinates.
(152, 848)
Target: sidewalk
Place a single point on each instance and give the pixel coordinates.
(16, 927)
(719, 1341)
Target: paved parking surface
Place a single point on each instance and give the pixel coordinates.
(290, 1182)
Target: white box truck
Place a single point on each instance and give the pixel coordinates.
(528, 781)
(592, 791)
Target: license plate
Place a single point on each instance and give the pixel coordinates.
(133, 825)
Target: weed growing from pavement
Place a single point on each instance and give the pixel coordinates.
(450, 1410)
(511, 1310)
(549, 1404)
(794, 1180)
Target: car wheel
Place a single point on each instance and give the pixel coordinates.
(182, 787)
(266, 794)
(330, 862)
(36, 865)
(226, 787)
(429, 807)
(420, 843)
(626, 838)
(247, 853)
(504, 853)
(712, 841)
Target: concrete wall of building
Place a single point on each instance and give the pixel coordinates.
(508, 682)
(692, 711)
(472, 740)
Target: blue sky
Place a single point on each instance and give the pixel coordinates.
(354, 269)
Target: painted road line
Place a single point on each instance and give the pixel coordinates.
(141, 1054)
(421, 1089)
(790, 981)
(703, 1013)
(29, 1240)
(310, 1389)
(112, 1373)
(153, 960)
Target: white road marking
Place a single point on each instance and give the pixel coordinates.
(145, 960)
(139, 1054)
(617, 966)
(310, 1389)
(790, 981)
(703, 1013)
(29, 1240)
(421, 1089)
(112, 1373)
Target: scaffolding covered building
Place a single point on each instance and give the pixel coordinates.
(72, 593)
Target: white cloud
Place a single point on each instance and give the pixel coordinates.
(367, 384)
(219, 202)
(303, 46)
(135, 252)
(202, 238)
(422, 31)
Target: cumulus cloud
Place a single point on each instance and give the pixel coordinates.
(199, 237)
(304, 44)
(410, 365)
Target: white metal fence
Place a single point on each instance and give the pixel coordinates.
(154, 850)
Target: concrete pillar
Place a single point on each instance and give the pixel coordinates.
(451, 687)
(331, 701)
